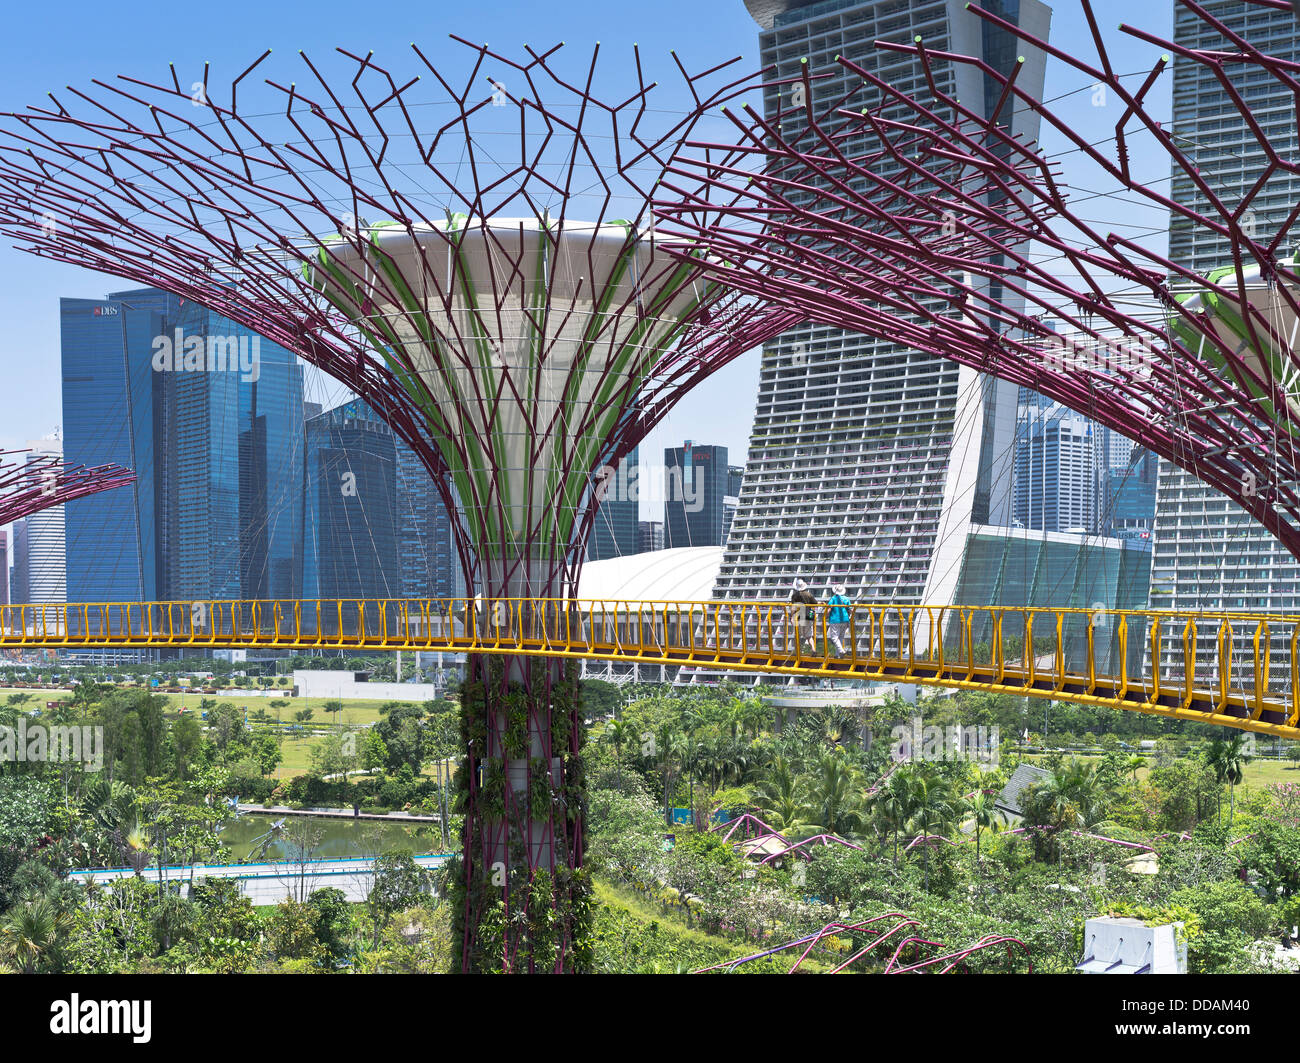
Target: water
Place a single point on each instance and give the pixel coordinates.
(339, 838)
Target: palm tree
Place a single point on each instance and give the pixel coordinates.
(1133, 764)
(135, 845)
(1228, 761)
(781, 796)
(30, 931)
(892, 806)
(933, 810)
(619, 733)
(670, 744)
(834, 796)
(1071, 797)
(986, 816)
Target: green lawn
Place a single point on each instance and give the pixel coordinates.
(1258, 772)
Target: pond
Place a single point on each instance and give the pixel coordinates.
(338, 838)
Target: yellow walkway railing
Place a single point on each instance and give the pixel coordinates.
(1235, 669)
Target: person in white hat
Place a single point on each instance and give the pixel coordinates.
(838, 617)
(801, 595)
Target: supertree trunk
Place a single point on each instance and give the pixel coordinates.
(520, 901)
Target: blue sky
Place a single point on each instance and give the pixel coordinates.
(71, 43)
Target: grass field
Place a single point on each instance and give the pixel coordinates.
(1258, 772)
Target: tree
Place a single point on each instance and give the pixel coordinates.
(1227, 759)
(333, 706)
(620, 734)
(400, 883)
(30, 934)
(985, 815)
(406, 739)
(669, 747)
(291, 932)
(334, 923)
(892, 805)
(933, 810)
(781, 796)
(833, 796)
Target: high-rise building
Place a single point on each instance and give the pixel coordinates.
(4, 568)
(47, 571)
(426, 547)
(112, 413)
(615, 530)
(868, 461)
(1056, 471)
(19, 591)
(696, 478)
(1208, 553)
(350, 512)
(209, 416)
(651, 536)
(374, 523)
(1129, 497)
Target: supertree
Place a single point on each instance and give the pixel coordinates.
(508, 311)
(31, 481)
(922, 219)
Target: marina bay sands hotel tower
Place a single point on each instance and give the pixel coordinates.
(869, 462)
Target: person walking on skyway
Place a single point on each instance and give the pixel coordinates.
(804, 616)
(837, 618)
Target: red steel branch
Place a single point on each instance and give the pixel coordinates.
(37, 481)
(956, 237)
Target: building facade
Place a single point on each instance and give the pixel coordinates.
(1208, 553)
(374, 525)
(867, 461)
(1057, 471)
(47, 570)
(209, 416)
(616, 527)
(696, 478)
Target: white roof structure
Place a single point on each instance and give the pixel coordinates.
(683, 574)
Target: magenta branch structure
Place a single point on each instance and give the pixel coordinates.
(921, 219)
(31, 481)
(473, 253)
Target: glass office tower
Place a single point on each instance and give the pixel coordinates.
(209, 416)
(696, 483)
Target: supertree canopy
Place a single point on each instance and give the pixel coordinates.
(31, 481)
(923, 219)
(506, 308)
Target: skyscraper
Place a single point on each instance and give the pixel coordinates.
(19, 591)
(209, 417)
(350, 531)
(374, 525)
(1207, 552)
(696, 478)
(1057, 471)
(111, 413)
(868, 462)
(615, 529)
(47, 572)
